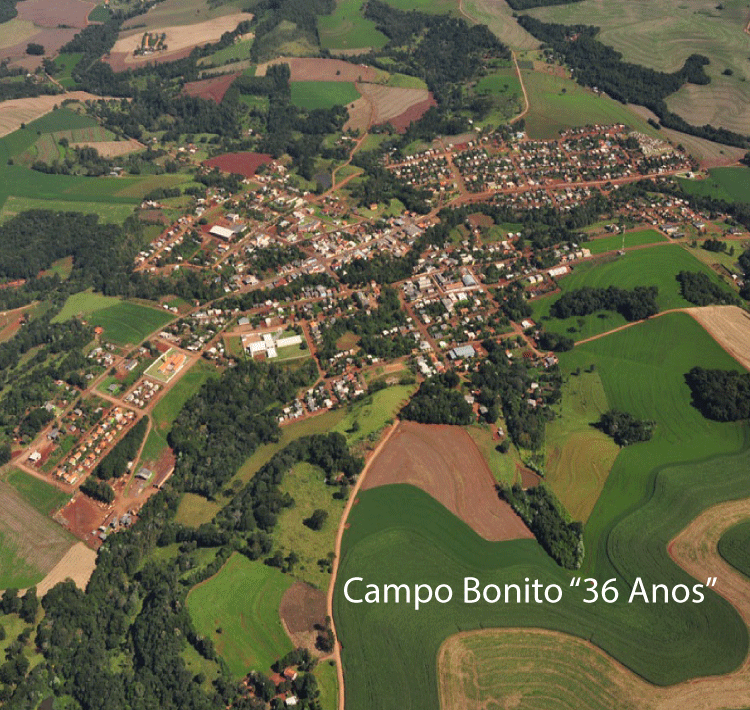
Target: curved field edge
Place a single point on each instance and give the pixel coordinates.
(398, 534)
(515, 664)
(734, 547)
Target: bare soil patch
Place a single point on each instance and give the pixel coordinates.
(82, 516)
(445, 462)
(44, 13)
(111, 149)
(17, 111)
(319, 69)
(360, 114)
(33, 536)
(180, 39)
(729, 326)
(51, 38)
(245, 164)
(213, 88)
(397, 105)
(77, 564)
(302, 608)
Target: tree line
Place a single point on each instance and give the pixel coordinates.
(115, 463)
(722, 395)
(698, 288)
(633, 305)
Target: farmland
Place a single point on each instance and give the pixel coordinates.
(42, 496)
(181, 12)
(729, 326)
(625, 241)
(322, 94)
(730, 184)
(658, 266)
(663, 34)
(734, 547)
(398, 532)
(84, 303)
(347, 28)
(238, 609)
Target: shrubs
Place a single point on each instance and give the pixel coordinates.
(544, 516)
(624, 428)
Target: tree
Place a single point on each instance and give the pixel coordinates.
(316, 520)
(35, 49)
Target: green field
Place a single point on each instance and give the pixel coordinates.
(109, 212)
(398, 533)
(323, 94)
(325, 674)
(630, 239)
(734, 547)
(99, 14)
(129, 323)
(503, 466)
(730, 184)
(306, 484)
(663, 33)
(42, 496)
(346, 28)
(556, 104)
(238, 608)
(83, 304)
(183, 12)
(368, 416)
(66, 63)
(658, 266)
(232, 53)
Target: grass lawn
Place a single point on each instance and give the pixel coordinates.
(238, 608)
(400, 533)
(730, 184)
(306, 484)
(128, 323)
(322, 94)
(734, 547)
(347, 28)
(112, 213)
(503, 466)
(631, 239)
(557, 104)
(42, 496)
(83, 304)
(645, 267)
(369, 415)
(405, 81)
(325, 674)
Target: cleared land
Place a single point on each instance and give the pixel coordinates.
(663, 34)
(238, 609)
(730, 327)
(319, 69)
(72, 13)
(245, 164)
(302, 608)
(213, 89)
(445, 463)
(111, 149)
(653, 491)
(78, 564)
(180, 39)
(322, 94)
(31, 544)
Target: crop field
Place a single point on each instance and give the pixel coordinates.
(108, 212)
(729, 326)
(444, 462)
(182, 12)
(663, 34)
(83, 304)
(730, 184)
(213, 88)
(238, 609)
(44, 497)
(71, 13)
(322, 94)
(579, 457)
(629, 239)
(498, 16)
(233, 53)
(556, 103)
(306, 484)
(657, 266)
(734, 547)
(30, 542)
(347, 28)
(653, 491)
(128, 323)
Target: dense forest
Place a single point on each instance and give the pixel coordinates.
(722, 395)
(597, 65)
(697, 288)
(115, 463)
(544, 516)
(439, 402)
(637, 304)
(624, 428)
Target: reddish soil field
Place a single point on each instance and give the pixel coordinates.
(81, 516)
(318, 69)
(245, 164)
(301, 608)
(214, 88)
(51, 38)
(413, 113)
(44, 13)
(445, 462)
(122, 61)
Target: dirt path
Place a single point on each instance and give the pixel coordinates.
(523, 88)
(337, 555)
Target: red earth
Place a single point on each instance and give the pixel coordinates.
(213, 88)
(245, 164)
(413, 113)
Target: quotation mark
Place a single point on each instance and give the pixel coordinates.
(575, 582)
(711, 581)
